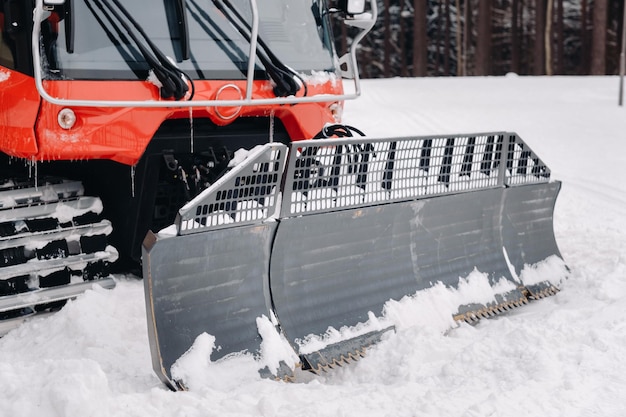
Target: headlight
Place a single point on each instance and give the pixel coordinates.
(66, 118)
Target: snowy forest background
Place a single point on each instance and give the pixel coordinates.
(490, 37)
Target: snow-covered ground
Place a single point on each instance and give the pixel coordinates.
(562, 356)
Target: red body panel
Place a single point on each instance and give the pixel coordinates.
(19, 105)
(30, 128)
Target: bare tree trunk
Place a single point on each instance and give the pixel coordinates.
(387, 23)
(515, 37)
(622, 58)
(522, 37)
(598, 39)
(440, 35)
(467, 30)
(540, 25)
(420, 48)
(403, 66)
(560, 56)
(584, 42)
(459, 41)
(446, 51)
(548, 37)
(483, 43)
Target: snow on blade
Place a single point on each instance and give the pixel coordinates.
(194, 366)
(552, 269)
(169, 231)
(197, 372)
(313, 342)
(241, 155)
(195, 369)
(274, 347)
(431, 308)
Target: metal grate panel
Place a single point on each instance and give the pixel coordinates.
(248, 194)
(523, 165)
(335, 174)
(350, 173)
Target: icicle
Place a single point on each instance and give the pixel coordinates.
(191, 127)
(132, 181)
(32, 170)
(272, 126)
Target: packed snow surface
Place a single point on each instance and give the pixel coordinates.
(562, 356)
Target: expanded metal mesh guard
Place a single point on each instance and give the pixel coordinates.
(523, 165)
(331, 174)
(349, 173)
(248, 194)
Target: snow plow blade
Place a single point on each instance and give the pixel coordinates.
(321, 234)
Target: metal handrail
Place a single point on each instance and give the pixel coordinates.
(349, 60)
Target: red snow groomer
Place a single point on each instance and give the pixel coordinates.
(182, 124)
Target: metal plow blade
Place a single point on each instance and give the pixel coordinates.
(322, 234)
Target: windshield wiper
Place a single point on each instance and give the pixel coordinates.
(183, 28)
(287, 82)
(172, 79)
(68, 18)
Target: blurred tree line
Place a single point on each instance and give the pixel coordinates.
(490, 37)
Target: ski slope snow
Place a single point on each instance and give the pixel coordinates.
(562, 356)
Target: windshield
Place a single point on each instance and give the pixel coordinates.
(80, 40)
